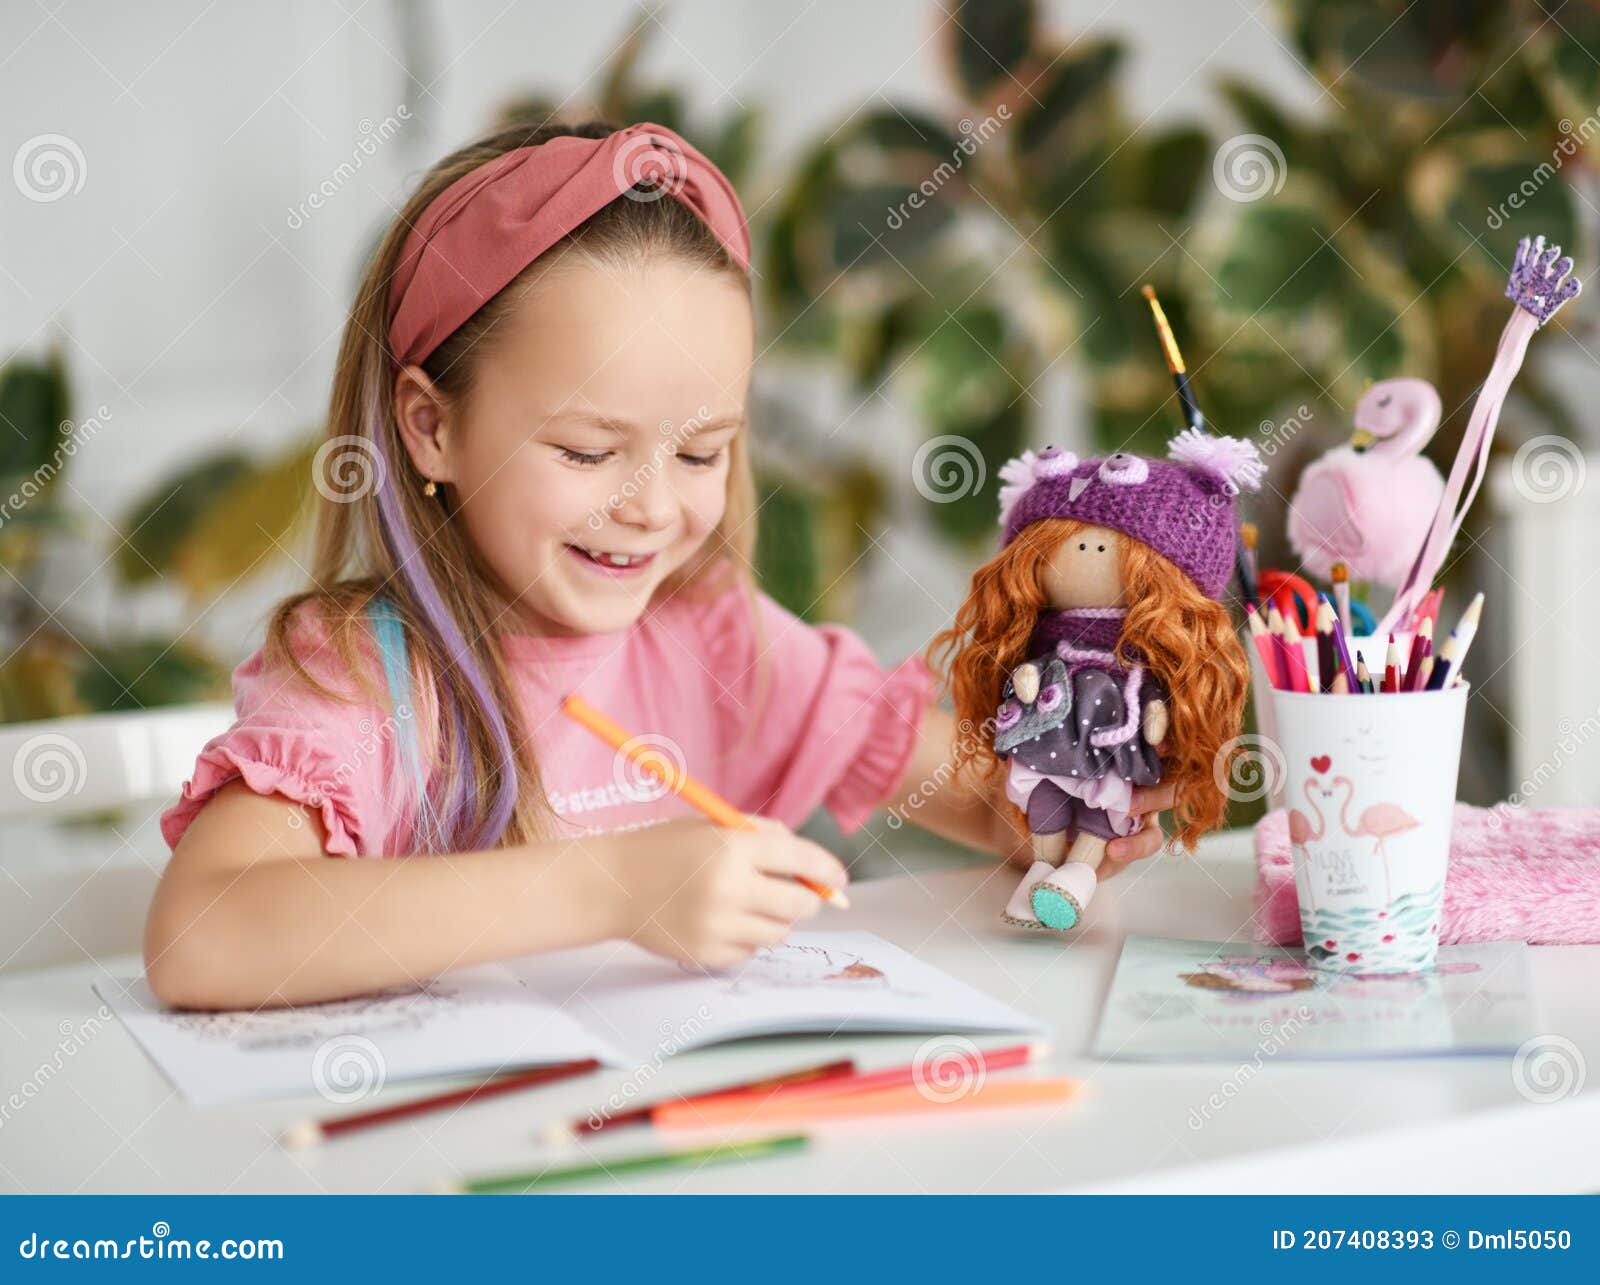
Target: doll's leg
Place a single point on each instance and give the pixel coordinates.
(1049, 808)
(1061, 897)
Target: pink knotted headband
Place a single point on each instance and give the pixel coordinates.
(487, 226)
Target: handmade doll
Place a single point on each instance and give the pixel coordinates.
(1096, 655)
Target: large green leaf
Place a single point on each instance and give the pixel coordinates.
(786, 548)
(242, 527)
(990, 39)
(1068, 97)
(1278, 260)
(35, 401)
(164, 517)
(148, 673)
(1484, 192)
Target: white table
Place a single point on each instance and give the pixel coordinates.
(102, 1118)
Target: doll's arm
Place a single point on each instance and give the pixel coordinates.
(1025, 682)
(1155, 721)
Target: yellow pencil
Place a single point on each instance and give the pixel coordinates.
(711, 804)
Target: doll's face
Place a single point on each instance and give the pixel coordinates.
(1085, 571)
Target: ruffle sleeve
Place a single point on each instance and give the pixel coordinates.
(331, 756)
(807, 716)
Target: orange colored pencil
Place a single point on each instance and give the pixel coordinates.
(706, 800)
(873, 1102)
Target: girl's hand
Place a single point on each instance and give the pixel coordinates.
(1149, 802)
(707, 895)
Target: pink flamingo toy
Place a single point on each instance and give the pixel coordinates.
(1379, 822)
(1368, 503)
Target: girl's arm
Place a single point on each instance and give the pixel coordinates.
(974, 811)
(251, 913)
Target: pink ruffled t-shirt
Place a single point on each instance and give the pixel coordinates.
(778, 716)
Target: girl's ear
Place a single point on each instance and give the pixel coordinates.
(425, 425)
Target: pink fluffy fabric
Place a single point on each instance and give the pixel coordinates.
(1514, 875)
(1368, 509)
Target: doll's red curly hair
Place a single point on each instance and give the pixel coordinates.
(1187, 640)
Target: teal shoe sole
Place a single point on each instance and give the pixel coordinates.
(1055, 910)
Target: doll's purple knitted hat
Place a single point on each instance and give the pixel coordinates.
(1182, 506)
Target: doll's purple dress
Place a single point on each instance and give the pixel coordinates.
(1078, 750)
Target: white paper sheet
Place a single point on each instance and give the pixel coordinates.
(614, 1002)
(472, 1021)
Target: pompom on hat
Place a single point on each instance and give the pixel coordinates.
(1182, 506)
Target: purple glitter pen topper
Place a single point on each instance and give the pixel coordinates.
(1537, 284)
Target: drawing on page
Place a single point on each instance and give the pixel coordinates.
(790, 966)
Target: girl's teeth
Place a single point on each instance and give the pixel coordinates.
(613, 559)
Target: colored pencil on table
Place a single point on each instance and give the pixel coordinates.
(907, 1099)
(1391, 667)
(660, 766)
(1363, 675)
(974, 1065)
(1299, 679)
(594, 1123)
(1421, 645)
(1424, 670)
(1341, 595)
(1264, 644)
(515, 1183)
(308, 1133)
(1340, 685)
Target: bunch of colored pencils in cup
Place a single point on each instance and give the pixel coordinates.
(1281, 648)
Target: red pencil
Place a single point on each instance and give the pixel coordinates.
(1391, 667)
(1421, 642)
(310, 1132)
(1295, 655)
(1265, 646)
(597, 1123)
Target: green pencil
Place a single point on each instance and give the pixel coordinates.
(515, 1183)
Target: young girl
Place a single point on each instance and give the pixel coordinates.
(536, 481)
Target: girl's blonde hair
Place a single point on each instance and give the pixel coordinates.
(391, 564)
(1186, 638)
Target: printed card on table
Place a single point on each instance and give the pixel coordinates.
(1201, 1000)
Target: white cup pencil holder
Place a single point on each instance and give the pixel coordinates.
(1370, 783)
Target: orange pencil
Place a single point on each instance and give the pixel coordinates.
(711, 804)
(873, 1102)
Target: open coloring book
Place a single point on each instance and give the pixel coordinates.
(613, 1002)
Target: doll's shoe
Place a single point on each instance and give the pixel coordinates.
(1019, 910)
(1060, 899)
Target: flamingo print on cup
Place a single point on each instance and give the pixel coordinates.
(1370, 783)
(1378, 822)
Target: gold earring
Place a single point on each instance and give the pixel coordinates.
(432, 489)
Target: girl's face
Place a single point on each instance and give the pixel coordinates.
(590, 460)
(1085, 571)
